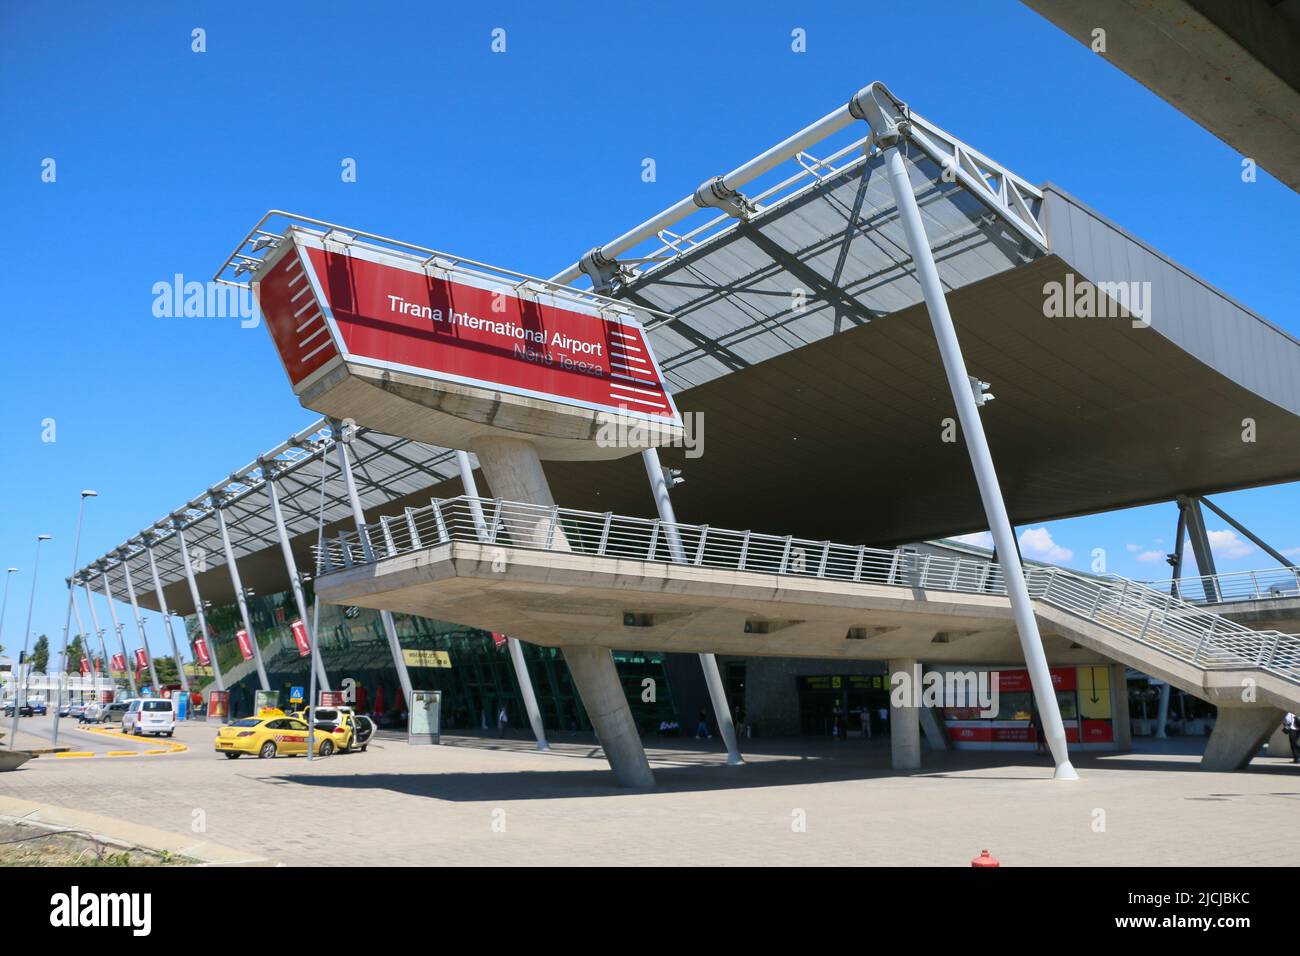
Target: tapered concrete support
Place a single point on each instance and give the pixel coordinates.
(514, 472)
(597, 681)
(904, 717)
(936, 734)
(240, 597)
(1239, 733)
(1162, 714)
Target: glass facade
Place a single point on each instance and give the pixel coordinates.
(472, 670)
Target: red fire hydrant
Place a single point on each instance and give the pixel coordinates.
(984, 860)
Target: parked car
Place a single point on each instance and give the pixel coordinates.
(149, 715)
(90, 714)
(24, 710)
(38, 706)
(269, 737)
(112, 713)
(351, 731)
(76, 709)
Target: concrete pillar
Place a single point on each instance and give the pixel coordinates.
(1120, 719)
(1239, 733)
(1162, 714)
(514, 473)
(597, 681)
(905, 718)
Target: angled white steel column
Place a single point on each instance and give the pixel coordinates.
(516, 649)
(219, 506)
(889, 125)
(99, 632)
(139, 622)
(147, 540)
(117, 626)
(354, 499)
(85, 641)
(268, 472)
(198, 608)
(712, 677)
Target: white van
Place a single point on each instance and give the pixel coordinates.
(149, 715)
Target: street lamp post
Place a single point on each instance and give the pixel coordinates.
(67, 617)
(4, 606)
(27, 631)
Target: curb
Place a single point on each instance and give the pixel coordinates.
(125, 835)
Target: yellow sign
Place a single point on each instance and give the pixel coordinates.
(1094, 692)
(416, 658)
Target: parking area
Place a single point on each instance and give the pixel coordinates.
(799, 801)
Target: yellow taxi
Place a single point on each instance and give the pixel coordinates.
(348, 730)
(270, 734)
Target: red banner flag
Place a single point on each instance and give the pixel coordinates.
(245, 645)
(141, 659)
(299, 630)
(201, 652)
(85, 666)
(498, 640)
(118, 663)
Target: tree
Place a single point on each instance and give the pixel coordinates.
(166, 668)
(75, 654)
(41, 654)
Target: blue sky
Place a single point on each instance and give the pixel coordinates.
(165, 157)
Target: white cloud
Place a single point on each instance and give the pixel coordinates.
(1291, 552)
(1226, 544)
(1132, 548)
(1038, 543)
(980, 539)
(1151, 556)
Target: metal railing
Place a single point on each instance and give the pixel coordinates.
(1267, 585)
(1134, 610)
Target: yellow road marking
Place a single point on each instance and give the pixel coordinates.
(76, 753)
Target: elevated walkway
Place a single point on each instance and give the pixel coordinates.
(575, 579)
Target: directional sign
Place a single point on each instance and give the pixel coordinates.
(296, 695)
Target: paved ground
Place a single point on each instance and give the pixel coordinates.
(483, 801)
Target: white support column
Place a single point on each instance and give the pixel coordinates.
(709, 663)
(99, 632)
(117, 626)
(198, 607)
(139, 622)
(218, 502)
(268, 469)
(358, 516)
(516, 649)
(888, 125)
(1162, 713)
(166, 614)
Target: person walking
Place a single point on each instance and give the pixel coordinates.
(1291, 724)
(865, 713)
(702, 728)
(502, 720)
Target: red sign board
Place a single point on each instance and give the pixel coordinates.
(299, 630)
(245, 645)
(201, 652)
(119, 663)
(498, 639)
(332, 698)
(1011, 682)
(384, 312)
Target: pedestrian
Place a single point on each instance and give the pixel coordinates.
(502, 719)
(866, 722)
(702, 728)
(1291, 724)
(1036, 724)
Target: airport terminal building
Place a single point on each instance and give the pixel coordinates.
(794, 325)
